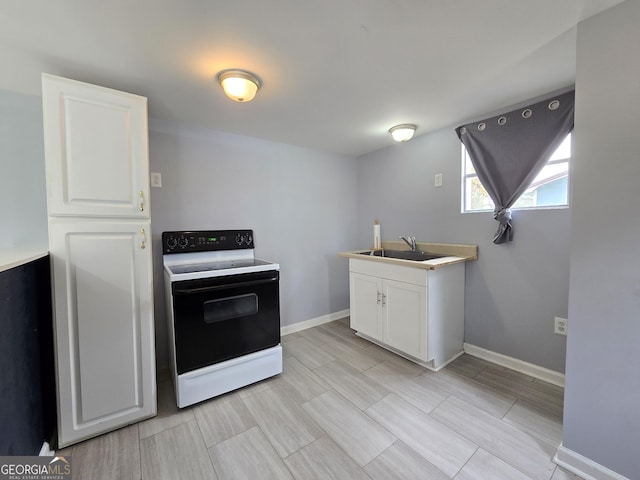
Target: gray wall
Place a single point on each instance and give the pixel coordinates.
(301, 204)
(23, 200)
(513, 291)
(602, 396)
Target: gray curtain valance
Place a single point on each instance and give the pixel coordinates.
(509, 150)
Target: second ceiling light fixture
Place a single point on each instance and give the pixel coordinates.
(404, 132)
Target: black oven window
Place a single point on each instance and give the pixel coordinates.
(223, 309)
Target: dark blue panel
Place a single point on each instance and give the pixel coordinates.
(27, 388)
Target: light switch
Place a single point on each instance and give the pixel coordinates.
(156, 179)
(437, 180)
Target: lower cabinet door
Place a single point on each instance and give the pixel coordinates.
(404, 317)
(365, 302)
(105, 354)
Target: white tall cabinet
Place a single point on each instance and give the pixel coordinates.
(96, 151)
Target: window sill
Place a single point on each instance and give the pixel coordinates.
(523, 209)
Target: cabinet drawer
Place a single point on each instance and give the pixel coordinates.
(416, 276)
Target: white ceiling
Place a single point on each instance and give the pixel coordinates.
(337, 74)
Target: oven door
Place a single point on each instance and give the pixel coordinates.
(217, 319)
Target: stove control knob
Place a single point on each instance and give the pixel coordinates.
(249, 239)
(239, 239)
(183, 242)
(172, 242)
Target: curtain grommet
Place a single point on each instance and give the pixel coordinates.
(554, 104)
(482, 126)
(527, 113)
(502, 121)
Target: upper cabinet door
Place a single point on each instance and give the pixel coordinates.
(96, 150)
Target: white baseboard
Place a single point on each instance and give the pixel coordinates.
(551, 376)
(313, 322)
(46, 451)
(583, 466)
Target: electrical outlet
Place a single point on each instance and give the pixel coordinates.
(561, 325)
(156, 179)
(437, 180)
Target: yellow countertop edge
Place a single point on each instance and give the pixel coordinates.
(11, 257)
(456, 253)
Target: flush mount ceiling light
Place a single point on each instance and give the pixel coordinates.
(404, 132)
(239, 85)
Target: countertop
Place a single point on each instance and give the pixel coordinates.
(456, 253)
(11, 257)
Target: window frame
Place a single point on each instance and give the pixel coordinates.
(466, 176)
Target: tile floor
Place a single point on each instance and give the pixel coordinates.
(345, 409)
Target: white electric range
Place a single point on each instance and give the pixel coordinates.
(223, 312)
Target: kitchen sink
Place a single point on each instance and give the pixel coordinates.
(403, 255)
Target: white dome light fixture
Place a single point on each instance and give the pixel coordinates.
(404, 132)
(239, 85)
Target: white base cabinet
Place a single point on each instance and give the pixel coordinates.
(404, 314)
(415, 312)
(104, 326)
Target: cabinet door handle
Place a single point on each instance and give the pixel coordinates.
(143, 239)
(384, 299)
(141, 200)
(378, 298)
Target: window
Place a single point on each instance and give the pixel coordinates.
(548, 189)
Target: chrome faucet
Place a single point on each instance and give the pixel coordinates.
(411, 241)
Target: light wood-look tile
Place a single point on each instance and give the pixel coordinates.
(357, 434)
(484, 466)
(300, 382)
(324, 459)
(437, 443)
(422, 395)
(390, 371)
(223, 417)
(540, 394)
(360, 390)
(383, 355)
(112, 456)
(536, 422)
(290, 336)
(402, 463)
(358, 358)
(514, 420)
(309, 354)
(318, 336)
(248, 456)
(345, 333)
(468, 365)
(491, 401)
(562, 474)
(257, 387)
(511, 445)
(178, 453)
(169, 415)
(285, 423)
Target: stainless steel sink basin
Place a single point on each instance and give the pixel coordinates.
(402, 254)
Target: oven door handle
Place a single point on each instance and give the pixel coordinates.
(213, 288)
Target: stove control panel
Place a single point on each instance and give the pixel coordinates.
(206, 241)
